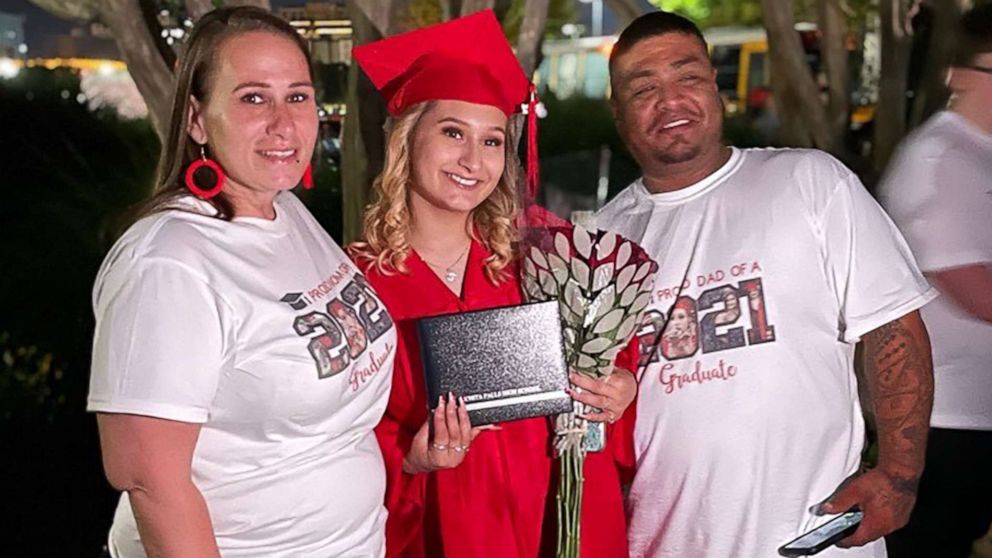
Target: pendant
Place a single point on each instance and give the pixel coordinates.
(450, 276)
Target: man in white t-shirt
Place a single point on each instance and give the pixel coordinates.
(749, 431)
(939, 191)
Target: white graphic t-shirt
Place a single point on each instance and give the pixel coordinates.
(939, 192)
(748, 414)
(267, 335)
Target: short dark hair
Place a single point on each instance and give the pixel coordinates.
(653, 24)
(974, 35)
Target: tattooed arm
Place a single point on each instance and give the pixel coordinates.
(899, 373)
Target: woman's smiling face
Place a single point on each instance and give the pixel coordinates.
(458, 154)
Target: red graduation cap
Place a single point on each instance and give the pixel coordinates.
(465, 59)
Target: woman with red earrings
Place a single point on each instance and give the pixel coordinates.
(241, 361)
(441, 236)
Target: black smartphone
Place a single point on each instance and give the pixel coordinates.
(823, 536)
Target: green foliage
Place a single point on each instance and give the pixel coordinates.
(570, 139)
(332, 82)
(717, 13)
(30, 381)
(421, 13)
(575, 124)
(560, 12)
(714, 13)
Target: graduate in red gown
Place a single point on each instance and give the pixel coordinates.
(441, 237)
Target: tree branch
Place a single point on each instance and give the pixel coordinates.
(144, 61)
(85, 10)
(531, 33)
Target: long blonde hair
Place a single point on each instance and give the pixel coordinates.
(386, 224)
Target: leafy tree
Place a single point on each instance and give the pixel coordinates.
(715, 13)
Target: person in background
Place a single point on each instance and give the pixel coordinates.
(441, 237)
(740, 448)
(938, 190)
(235, 410)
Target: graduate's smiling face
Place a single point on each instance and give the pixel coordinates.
(457, 155)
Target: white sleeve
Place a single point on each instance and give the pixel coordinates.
(161, 336)
(931, 204)
(874, 274)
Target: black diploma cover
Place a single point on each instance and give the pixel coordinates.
(508, 363)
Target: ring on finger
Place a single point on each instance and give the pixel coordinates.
(458, 448)
(439, 447)
(612, 418)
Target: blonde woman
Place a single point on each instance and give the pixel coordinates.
(440, 238)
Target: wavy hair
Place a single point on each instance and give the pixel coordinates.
(386, 225)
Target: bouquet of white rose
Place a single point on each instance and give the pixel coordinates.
(602, 283)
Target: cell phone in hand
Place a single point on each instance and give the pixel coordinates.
(823, 536)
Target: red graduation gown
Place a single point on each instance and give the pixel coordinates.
(500, 501)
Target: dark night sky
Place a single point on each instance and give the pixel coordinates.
(39, 24)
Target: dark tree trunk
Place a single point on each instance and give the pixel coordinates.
(890, 118)
(363, 145)
(931, 93)
(144, 60)
(531, 33)
(833, 50)
(797, 97)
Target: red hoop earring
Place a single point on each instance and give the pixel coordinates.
(308, 178)
(205, 193)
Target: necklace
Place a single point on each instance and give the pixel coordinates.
(449, 272)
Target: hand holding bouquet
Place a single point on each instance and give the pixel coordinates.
(602, 283)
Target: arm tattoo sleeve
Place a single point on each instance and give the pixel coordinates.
(899, 373)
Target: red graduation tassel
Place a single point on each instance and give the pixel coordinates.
(533, 175)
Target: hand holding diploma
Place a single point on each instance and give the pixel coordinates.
(446, 446)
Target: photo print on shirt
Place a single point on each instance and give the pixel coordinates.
(347, 326)
(730, 313)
